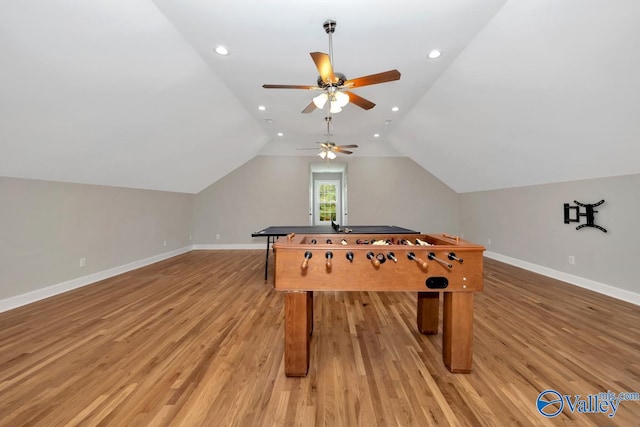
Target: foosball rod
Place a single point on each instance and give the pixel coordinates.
(433, 257)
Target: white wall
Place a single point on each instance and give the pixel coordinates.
(270, 190)
(527, 224)
(46, 227)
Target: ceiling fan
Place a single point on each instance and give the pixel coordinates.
(329, 149)
(333, 85)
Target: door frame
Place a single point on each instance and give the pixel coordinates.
(316, 204)
(334, 167)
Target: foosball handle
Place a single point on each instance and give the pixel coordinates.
(373, 259)
(305, 261)
(328, 255)
(423, 264)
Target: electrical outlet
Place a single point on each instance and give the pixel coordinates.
(83, 262)
(164, 243)
(190, 237)
(488, 241)
(217, 237)
(572, 260)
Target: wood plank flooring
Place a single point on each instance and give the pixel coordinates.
(197, 340)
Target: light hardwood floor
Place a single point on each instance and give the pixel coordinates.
(197, 340)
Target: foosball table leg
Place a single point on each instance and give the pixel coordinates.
(310, 312)
(298, 312)
(428, 311)
(457, 331)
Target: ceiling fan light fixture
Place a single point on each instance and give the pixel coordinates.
(322, 154)
(331, 155)
(335, 107)
(341, 98)
(320, 100)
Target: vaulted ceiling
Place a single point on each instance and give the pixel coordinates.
(131, 94)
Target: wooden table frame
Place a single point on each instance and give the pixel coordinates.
(414, 267)
(457, 336)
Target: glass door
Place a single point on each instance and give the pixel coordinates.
(327, 201)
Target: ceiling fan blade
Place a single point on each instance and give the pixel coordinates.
(309, 108)
(340, 150)
(373, 79)
(359, 101)
(323, 64)
(289, 87)
(348, 146)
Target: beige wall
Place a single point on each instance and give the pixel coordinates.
(46, 227)
(267, 190)
(527, 224)
(398, 191)
(270, 190)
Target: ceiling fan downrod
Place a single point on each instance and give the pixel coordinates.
(328, 120)
(330, 27)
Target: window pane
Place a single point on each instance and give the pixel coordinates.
(327, 211)
(327, 193)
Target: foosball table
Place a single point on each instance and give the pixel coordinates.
(429, 264)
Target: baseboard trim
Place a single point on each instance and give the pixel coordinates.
(601, 288)
(229, 247)
(39, 294)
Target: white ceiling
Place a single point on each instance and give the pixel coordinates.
(129, 93)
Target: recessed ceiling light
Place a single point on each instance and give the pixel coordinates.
(376, 135)
(280, 134)
(435, 53)
(387, 122)
(261, 107)
(268, 121)
(395, 108)
(221, 50)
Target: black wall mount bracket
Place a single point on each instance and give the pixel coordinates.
(589, 214)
